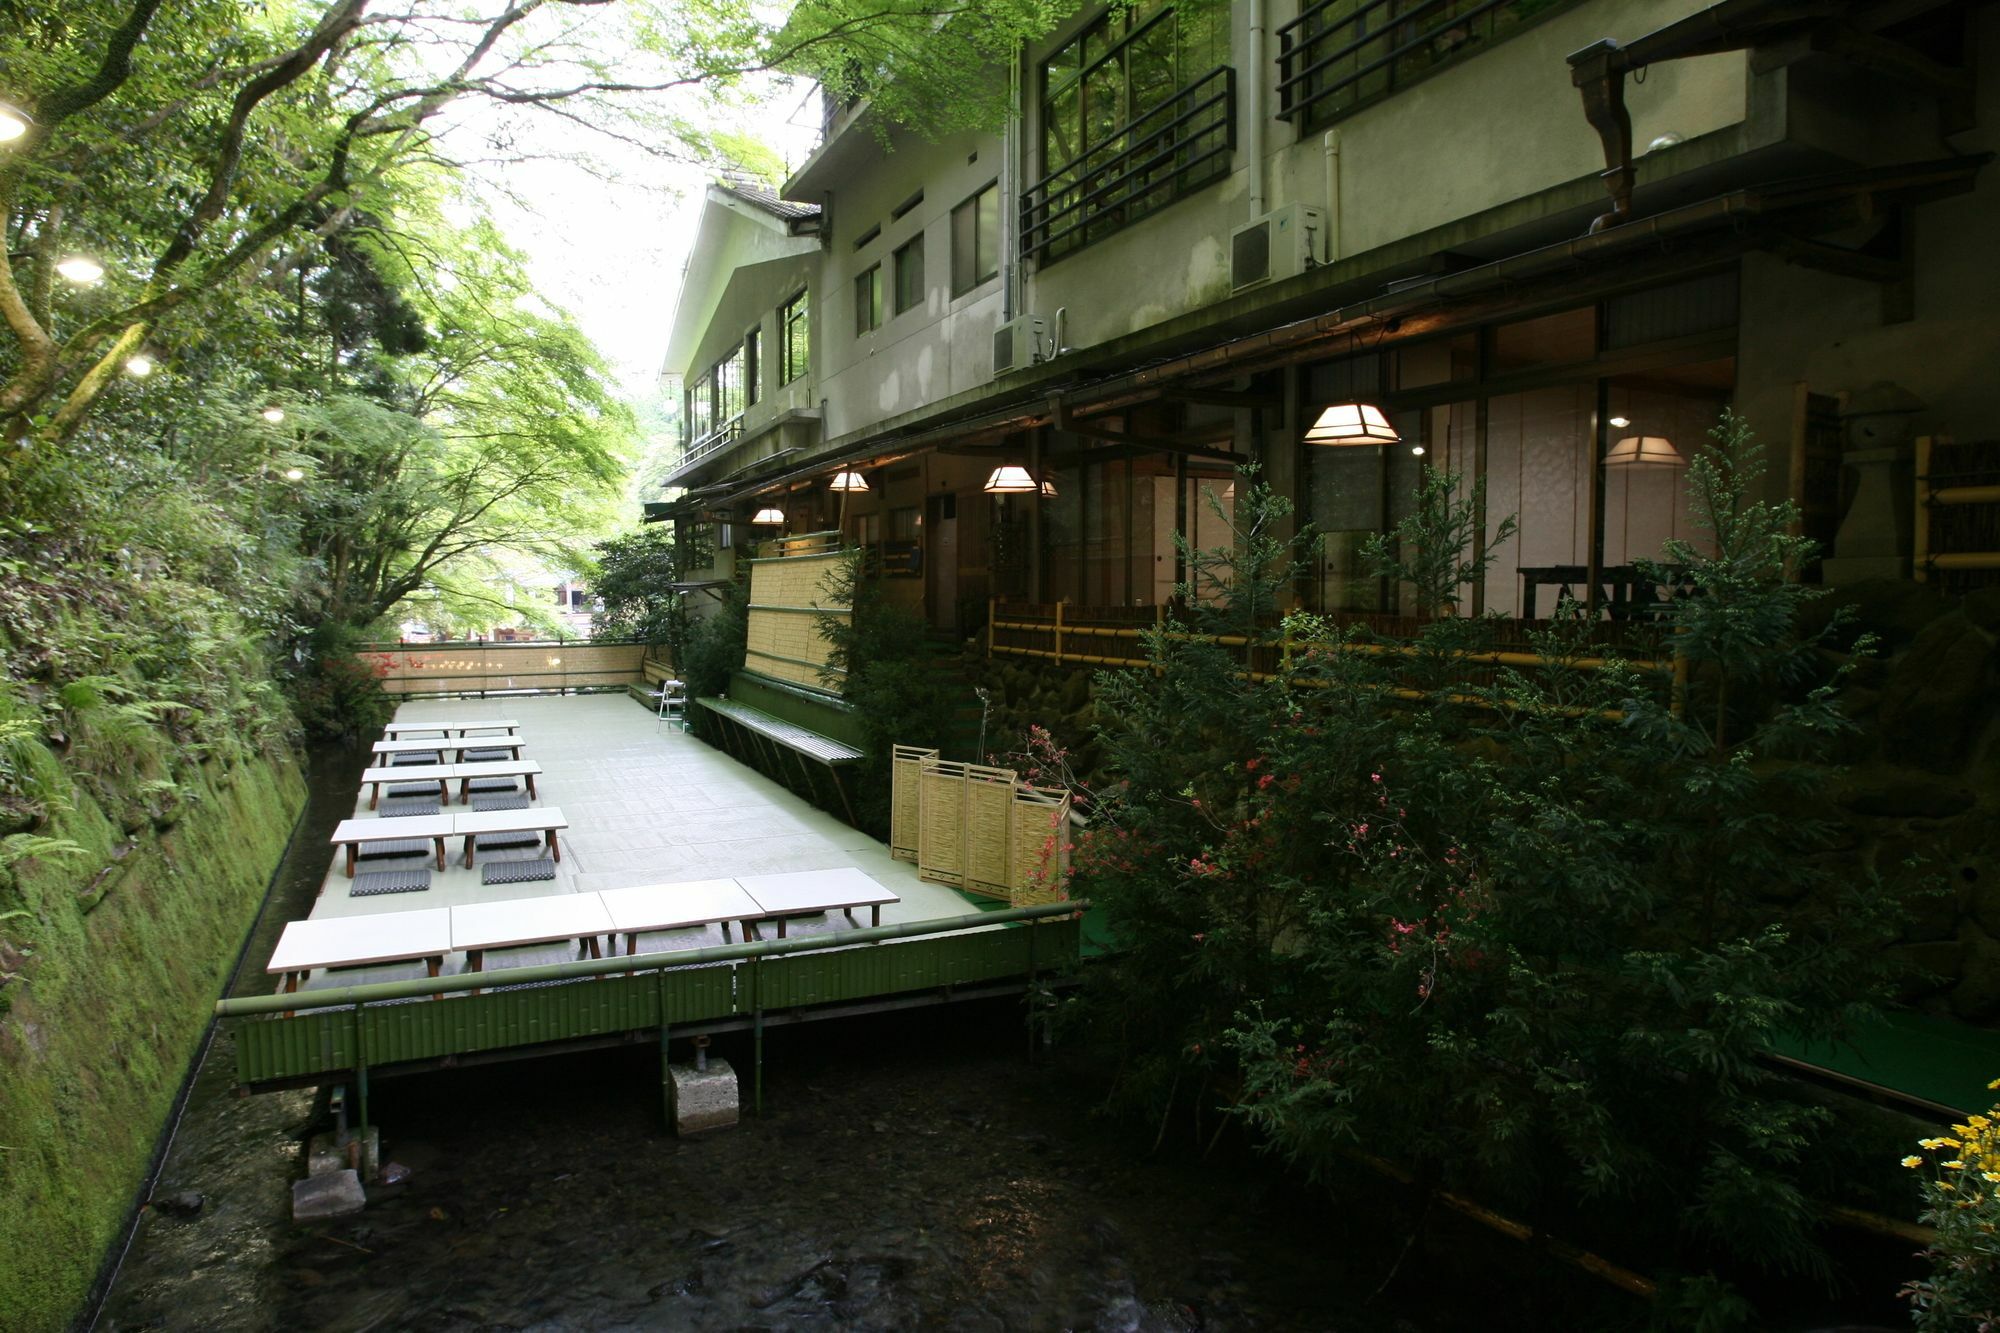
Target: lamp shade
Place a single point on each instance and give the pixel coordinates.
(1644, 451)
(768, 516)
(80, 269)
(1011, 480)
(1352, 423)
(1048, 490)
(845, 481)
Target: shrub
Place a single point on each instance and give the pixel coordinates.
(1962, 1200)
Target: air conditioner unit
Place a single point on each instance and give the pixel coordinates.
(1281, 244)
(1019, 342)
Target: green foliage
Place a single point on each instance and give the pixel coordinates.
(1439, 547)
(876, 661)
(1961, 1194)
(715, 645)
(1533, 938)
(634, 579)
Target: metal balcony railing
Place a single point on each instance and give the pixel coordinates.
(1339, 55)
(1160, 155)
(728, 432)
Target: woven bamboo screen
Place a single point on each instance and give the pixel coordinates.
(1039, 870)
(470, 668)
(989, 803)
(906, 765)
(941, 816)
(787, 598)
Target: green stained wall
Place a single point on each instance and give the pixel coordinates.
(129, 953)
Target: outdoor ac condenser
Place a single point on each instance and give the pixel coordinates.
(1019, 342)
(1281, 244)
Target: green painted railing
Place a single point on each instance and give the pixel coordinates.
(337, 1030)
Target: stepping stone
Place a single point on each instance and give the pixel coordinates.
(495, 842)
(389, 848)
(415, 789)
(486, 756)
(493, 784)
(516, 872)
(517, 801)
(409, 805)
(335, 1194)
(390, 881)
(421, 757)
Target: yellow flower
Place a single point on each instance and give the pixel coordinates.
(1946, 1185)
(1993, 1176)
(1994, 1084)
(1953, 1165)
(1913, 1161)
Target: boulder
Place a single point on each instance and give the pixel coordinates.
(1894, 794)
(1925, 969)
(331, 1194)
(1933, 913)
(1935, 702)
(1893, 610)
(1982, 608)
(1977, 995)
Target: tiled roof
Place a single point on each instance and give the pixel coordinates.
(751, 191)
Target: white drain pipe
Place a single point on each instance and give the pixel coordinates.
(1331, 144)
(1253, 128)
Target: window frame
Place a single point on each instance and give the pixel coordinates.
(868, 308)
(979, 273)
(795, 338)
(905, 265)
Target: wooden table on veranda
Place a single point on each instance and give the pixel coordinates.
(810, 892)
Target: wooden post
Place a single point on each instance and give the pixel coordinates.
(990, 604)
(1920, 551)
(1059, 607)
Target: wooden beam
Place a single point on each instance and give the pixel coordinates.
(1194, 444)
(1224, 398)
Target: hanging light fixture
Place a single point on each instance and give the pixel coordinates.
(138, 365)
(769, 516)
(845, 482)
(295, 474)
(1229, 491)
(1352, 423)
(80, 269)
(1048, 490)
(13, 123)
(273, 414)
(1011, 479)
(1644, 451)
(1417, 449)
(1620, 423)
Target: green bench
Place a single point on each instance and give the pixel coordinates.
(751, 734)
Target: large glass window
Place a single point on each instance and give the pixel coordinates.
(975, 241)
(1135, 113)
(910, 274)
(751, 389)
(1340, 55)
(868, 300)
(795, 335)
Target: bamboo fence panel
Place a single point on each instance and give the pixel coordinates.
(906, 765)
(941, 835)
(474, 668)
(1039, 872)
(989, 803)
(788, 596)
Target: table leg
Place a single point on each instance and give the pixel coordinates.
(555, 852)
(435, 963)
(531, 785)
(725, 932)
(591, 942)
(875, 915)
(781, 927)
(444, 791)
(353, 851)
(440, 854)
(848, 912)
(374, 794)
(468, 851)
(465, 791)
(631, 943)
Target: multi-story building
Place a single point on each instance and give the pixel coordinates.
(1547, 240)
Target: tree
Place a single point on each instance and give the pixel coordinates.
(636, 574)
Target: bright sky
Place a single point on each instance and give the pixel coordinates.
(610, 246)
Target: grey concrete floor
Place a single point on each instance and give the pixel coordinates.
(647, 804)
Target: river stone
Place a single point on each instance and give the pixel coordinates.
(334, 1194)
(1936, 699)
(1977, 994)
(702, 1100)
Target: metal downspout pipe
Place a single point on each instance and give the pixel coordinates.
(1253, 114)
(1010, 189)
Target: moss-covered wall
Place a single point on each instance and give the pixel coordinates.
(119, 951)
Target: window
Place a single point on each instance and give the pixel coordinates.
(1339, 55)
(910, 274)
(729, 387)
(795, 338)
(896, 214)
(750, 365)
(868, 300)
(975, 241)
(1136, 112)
(868, 236)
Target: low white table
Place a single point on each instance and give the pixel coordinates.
(507, 725)
(375, 778)
(352, 833)
(463, 774)
(357, 941)
(546, 821)
(511, 744)
(697, 902)
(505, 925)
(810, 892)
